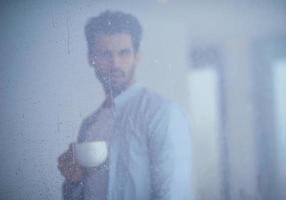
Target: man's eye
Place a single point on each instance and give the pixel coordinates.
(125, 52)
(104, 54)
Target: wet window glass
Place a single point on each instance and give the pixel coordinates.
(203, 93)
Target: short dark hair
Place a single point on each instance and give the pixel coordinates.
(111, 22)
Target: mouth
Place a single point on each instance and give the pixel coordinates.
(116, 75)
(111, 76)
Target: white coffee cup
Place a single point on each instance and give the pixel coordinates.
(90, 154)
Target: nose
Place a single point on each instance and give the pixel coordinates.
(115, 61)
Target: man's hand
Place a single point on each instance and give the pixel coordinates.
(68, 167)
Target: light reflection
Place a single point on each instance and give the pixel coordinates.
(279, 78)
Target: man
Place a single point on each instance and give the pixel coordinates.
(148, 137)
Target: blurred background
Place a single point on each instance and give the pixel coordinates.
(223, 61)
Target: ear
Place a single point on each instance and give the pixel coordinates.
(138, 57)
(90, 58)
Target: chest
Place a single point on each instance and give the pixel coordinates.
(130, 138)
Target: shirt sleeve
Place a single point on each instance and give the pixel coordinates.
(170, 153)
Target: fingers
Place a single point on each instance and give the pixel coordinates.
(68, 168)
(64, 159)
(72, 172)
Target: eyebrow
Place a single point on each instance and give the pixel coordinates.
(125, 50)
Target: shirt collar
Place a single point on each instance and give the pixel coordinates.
(131, 91)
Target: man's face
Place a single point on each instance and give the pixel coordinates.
(114, 59)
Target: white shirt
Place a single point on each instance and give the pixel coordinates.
(149, 148)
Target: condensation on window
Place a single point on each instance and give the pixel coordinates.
(222, 62)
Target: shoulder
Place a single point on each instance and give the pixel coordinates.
(165, 119)
(90, 118)
(157, 106)
(152, 100)
(86, 124)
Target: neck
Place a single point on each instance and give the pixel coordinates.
(108, 103)
(111, 92)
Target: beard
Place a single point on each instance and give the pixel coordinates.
(116, 81)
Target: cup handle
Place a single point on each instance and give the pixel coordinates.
(73, 152)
